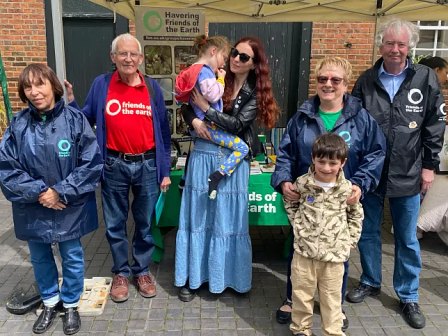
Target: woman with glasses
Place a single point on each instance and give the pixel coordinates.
(213, 243)
(331, 110)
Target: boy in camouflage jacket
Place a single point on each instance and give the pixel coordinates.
(325, 228)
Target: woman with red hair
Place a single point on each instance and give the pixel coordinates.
(213, 243)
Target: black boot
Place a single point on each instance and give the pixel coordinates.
(71, 321)
(46, 319)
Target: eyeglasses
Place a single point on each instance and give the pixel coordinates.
(334, 80)
(244, 58)
(126, 54)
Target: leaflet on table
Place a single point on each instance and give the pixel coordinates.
(255, 168)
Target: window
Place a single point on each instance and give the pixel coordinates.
(433, 39)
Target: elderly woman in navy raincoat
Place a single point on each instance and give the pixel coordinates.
(50, 165)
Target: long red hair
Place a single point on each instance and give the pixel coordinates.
(268, 110)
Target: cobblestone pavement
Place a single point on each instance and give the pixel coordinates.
(230, 313)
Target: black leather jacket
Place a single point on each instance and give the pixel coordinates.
(240, 120)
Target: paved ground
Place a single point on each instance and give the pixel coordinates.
(230, 313)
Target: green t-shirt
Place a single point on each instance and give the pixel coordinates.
(329, 119)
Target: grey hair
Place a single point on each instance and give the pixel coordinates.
(397, 25)
(124, 37)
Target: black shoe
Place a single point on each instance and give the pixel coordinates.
(413, 315)
(186, 294)
(71, 322)
(344, 321)
(181, 185)
(213, 181)
(46, 318)
(284, 317)
(358, 294)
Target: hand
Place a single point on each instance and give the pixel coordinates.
(427, 179)
(221, 72)
(165, 185)
(289, 192)
(69, 91)
(50, 199)
(201, 129)
(199, 100)
(355, 196)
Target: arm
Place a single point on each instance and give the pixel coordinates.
(237, 123)
(292, 206)
(355, 215)
(162, 116)
(286, 162)
(432, 133)
(212, 89)
(89, 108)
(17, 185)
(86, 175)
(372, 155)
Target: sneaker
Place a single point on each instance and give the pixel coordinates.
(358, 294)
(413, 315)
(120, 288)
(146, 285)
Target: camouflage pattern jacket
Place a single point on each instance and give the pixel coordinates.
(325, 227)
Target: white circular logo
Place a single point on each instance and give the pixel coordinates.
(442, 109)
(109, 103)
(415, 92)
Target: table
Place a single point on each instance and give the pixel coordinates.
(265, 207)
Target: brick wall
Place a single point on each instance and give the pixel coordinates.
(22, 40)
(353, 41)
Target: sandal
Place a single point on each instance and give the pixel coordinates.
(282, 316)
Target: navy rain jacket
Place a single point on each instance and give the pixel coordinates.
(61, 153)
(366, 142)
(414, 124)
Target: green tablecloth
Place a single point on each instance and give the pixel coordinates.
(265, 207)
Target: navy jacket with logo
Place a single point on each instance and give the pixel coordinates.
(60, 152)
(413, 124)
(366, 142)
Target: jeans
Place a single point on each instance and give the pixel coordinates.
(46, 272)
(288, 277)
(407, 267)
(119, 177)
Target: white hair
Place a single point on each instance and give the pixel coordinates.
(397, 25)
(124, 37)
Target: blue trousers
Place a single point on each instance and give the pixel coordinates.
(239, 148)
(46, 272)
(407, 266)
(119, 178)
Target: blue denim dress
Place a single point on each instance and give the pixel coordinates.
(213, 243)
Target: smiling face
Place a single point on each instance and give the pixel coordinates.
(127, 57)
(326, 170)
(236, 65)
(394, 50)
(40, 93)
(331, 85)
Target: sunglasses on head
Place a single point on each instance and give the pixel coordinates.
(244, 58)
(333, 80)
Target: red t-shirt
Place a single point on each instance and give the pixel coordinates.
(128, 114)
